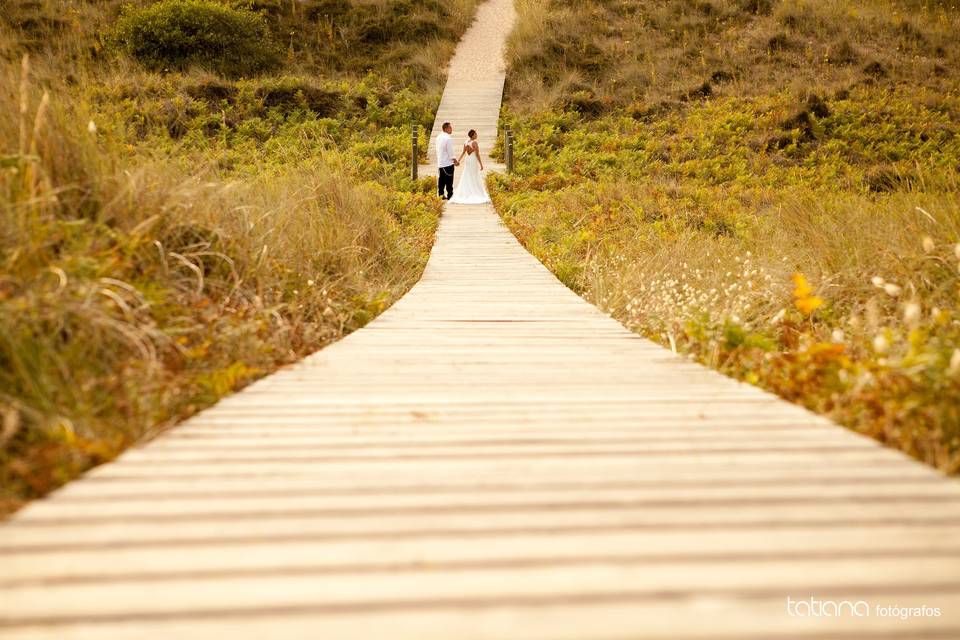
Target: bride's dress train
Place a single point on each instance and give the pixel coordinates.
(471, 189)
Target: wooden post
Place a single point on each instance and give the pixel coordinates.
(506, 145)
(414, 157)
(509, 142)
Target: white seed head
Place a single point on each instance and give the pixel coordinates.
(880, 343)
(954, 368)
(837, 335)
(928, 244)
(891, 289)
(912, 313)
(877, 281)
(92, 127)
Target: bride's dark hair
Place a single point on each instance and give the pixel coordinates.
(472, 134)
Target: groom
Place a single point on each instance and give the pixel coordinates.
(446, 162)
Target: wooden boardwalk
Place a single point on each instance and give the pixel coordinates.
(490, 458)
(471, 99)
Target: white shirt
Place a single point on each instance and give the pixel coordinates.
(445, 155)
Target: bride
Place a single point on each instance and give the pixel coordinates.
(471, 189)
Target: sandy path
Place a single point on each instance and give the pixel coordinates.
(472, 97)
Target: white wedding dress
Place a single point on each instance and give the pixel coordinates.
(471, 189)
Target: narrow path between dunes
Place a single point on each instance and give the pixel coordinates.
(491, 458)
(475, 77)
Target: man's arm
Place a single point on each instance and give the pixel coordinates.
(449, 143)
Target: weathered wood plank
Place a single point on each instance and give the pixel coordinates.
(638, 547)
(710, 615)
(422, 587)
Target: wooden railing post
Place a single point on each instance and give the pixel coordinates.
(508, 141)
(506, 146)
(414, 157)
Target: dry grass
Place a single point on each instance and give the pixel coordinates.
(133, 294)
(406, 41)
(652, 55)
(769, 187)
(167, 238)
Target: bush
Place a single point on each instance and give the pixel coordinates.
(176, 34)
(289, 93)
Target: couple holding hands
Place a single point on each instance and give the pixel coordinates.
(471, 189)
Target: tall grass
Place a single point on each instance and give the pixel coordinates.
(406, 41)
(768, 187)
(657, 54)
(133, 294)
(167, 237)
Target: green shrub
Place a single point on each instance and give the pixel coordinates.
(287, 93)
(176, 34)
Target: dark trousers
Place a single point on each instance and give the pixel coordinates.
(445, 181)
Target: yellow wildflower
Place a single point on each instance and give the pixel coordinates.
(803, 296)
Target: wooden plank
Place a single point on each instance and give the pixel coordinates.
(472, 524)
(702, 498)
(185, 597)
(614, 617)
(358, 556)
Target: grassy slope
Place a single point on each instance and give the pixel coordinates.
(769, 186)
(166, 238)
